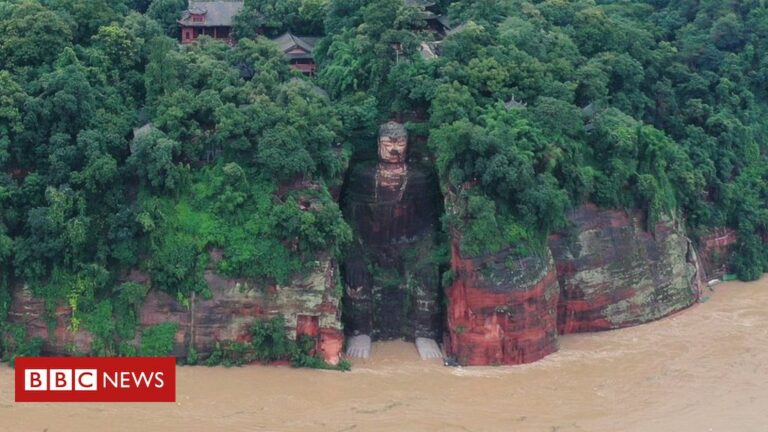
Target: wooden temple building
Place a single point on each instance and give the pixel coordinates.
(299, 51)
(212, 19)
(216, 18)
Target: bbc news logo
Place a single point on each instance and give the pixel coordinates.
(87, 380)
(90, 379)
(60, 379)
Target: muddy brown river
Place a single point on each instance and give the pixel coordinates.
(705, 369)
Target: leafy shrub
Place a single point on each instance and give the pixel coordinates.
(271, 343)
(16, 343)
(750, 259)
(230, 353)
(229, 207)
(269, 339)
(101, 324)
(158, 340)
(130, 296)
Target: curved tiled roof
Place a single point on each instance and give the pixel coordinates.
(217, 14)
(296, 47)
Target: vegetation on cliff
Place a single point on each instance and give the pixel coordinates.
(121, 150)
(533, 107)
(270, 343)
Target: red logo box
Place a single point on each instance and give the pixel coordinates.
(95, 379)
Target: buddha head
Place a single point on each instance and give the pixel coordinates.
(393, 142)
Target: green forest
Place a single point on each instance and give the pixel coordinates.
(121, 149)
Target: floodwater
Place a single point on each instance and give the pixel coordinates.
(705, 369)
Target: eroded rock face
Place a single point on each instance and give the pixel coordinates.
(310, 305)
(501, 309)
(613, 273)
(715, 251)
(605, 272)
(29, 312)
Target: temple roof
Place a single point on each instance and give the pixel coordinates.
(315, 88)
(217, 13)
(442, 19)
(422, 3)
(296, 47)
(458, 29)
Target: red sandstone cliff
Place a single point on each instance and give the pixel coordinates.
(501, 310)
(605, 272)
(29, 312)
(309, 304)
(613, 273)
(714, 251)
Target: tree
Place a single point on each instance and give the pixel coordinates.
(12, 100)
(57, 235)
(163, 69)
(88, 15)
(167, 13)
(118, 46)
(153, 158)
(273, 17)
(67, 101)
(362, 57)
(32, 36)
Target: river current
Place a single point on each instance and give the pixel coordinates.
(704, 369)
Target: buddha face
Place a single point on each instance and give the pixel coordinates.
(393, 143)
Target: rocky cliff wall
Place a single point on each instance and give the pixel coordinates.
(714, 251)
(310, 304)
(613, 273)
(605, 272)
(501, 309)
(29, 312)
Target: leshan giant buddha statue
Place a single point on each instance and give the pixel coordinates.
(391, 282)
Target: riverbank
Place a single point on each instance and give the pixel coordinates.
(700, 370)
